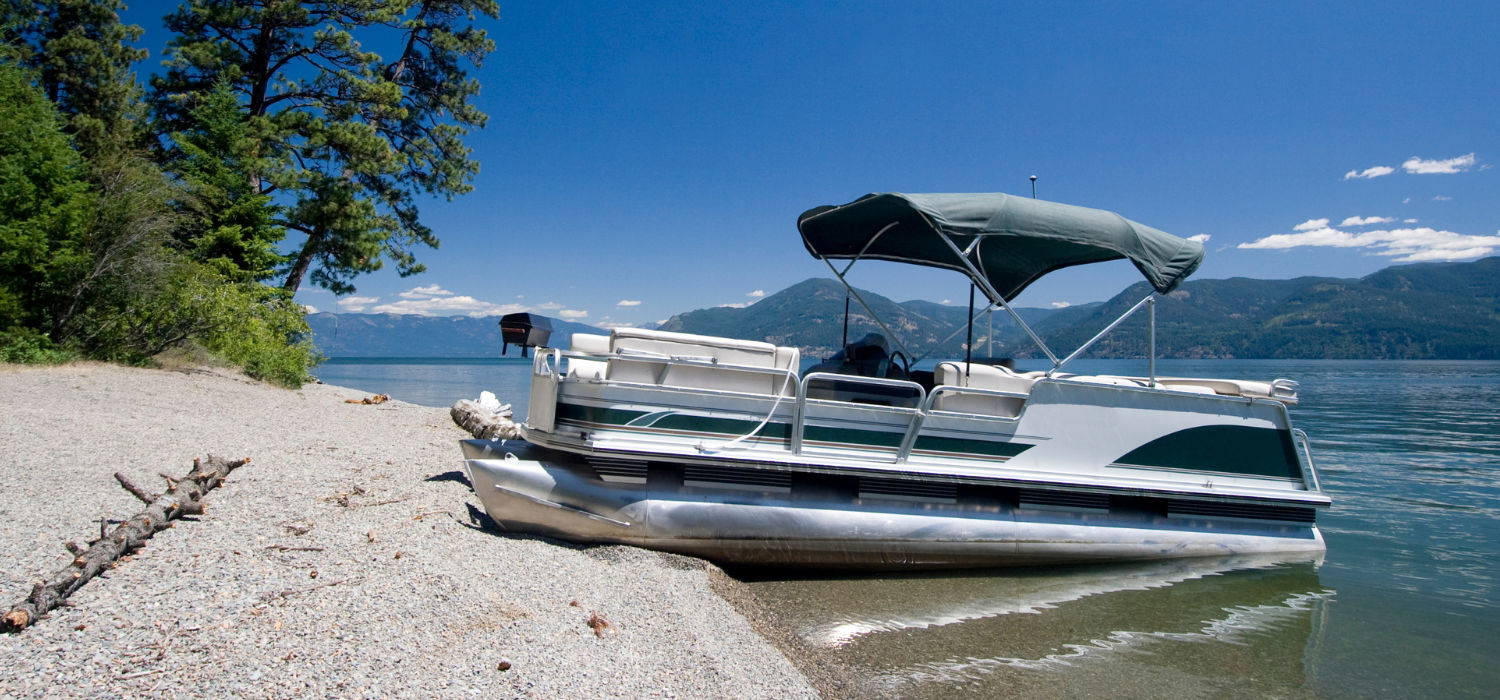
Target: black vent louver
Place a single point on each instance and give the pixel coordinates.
(627, 471)
(730, 477)
(906, 489)
(1241, 511)
(1064, 499)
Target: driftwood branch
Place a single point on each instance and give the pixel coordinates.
(184, 498)
(134, 490)
(483, 423)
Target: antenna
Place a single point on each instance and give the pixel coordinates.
(1033, 187)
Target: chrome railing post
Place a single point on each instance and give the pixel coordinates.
(797, 416)
(1101, 334)
(989, 291)
(1151, 366)
(1310, 481)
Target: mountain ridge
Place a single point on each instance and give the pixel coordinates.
(1417, 311)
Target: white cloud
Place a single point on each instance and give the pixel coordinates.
(310, 308)
(739, 305)
(613, 324)
(1201, 238)
(1441, 198)
(945, 301)
(1366, 221)
(356, 304)
(1408, 221)
(1311, 225)
(1417, 166)
(549, 305)
(1406, 201)
(1376, 171)
(571, 313)
(449, 306)
(1060, 304)
(1407, 245)
(427, 292)
(627, 302)
(757, 293)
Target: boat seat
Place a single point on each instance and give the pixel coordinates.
(588, 342)
(1221, 387)
(1231, 387)
(637, 348)
(981, 377)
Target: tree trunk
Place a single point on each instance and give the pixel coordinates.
(183, 497)
(304, 261)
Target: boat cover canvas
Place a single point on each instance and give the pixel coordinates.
(1023, 238)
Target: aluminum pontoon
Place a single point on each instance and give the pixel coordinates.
(724, 449)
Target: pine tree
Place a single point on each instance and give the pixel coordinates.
(358, 137)
(82, 56)
(235, 223)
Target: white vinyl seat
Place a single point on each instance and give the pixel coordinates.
(641, 357)
(981, 377)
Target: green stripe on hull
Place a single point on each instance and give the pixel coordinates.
(1226, 449)
(666, 420)
(593, 414)
(722, 426)
(962, 446)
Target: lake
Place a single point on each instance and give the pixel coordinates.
(1403, 605)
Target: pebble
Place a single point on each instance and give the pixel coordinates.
(435, 605)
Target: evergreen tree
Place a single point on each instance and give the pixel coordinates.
(82, 56)
(357, 138)
(234, 223)
(43, 205)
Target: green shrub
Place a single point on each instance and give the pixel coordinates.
(28, 347)
(244, 323)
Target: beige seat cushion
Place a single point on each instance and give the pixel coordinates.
(981, 377)
(664, 344)
(646, 345)
(587, 342)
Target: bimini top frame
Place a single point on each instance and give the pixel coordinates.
(1002, 243)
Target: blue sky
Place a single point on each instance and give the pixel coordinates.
(660, 154)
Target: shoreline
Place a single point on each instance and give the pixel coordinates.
(349, 559)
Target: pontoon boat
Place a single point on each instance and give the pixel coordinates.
(724, 449)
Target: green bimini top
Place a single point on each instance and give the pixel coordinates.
(1021, 239)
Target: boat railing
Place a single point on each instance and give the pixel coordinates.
(1310, 474)
(798, 423)
(547, 373)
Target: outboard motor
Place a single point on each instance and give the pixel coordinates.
(526, 330)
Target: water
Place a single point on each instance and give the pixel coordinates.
(433, 382)
(1403, 606)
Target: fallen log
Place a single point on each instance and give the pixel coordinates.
(483, 423)
(183, 497)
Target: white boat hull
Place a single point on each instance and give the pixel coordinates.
(531, 489)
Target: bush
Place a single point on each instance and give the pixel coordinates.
(248, 324)
(28, 347)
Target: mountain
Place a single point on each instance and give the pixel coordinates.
(397, 335)
(810, 315)
(1419, 311)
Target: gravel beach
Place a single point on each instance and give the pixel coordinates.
(348, 559)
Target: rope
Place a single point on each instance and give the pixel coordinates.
(779, 396)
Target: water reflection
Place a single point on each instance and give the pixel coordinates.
(1184, 628)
